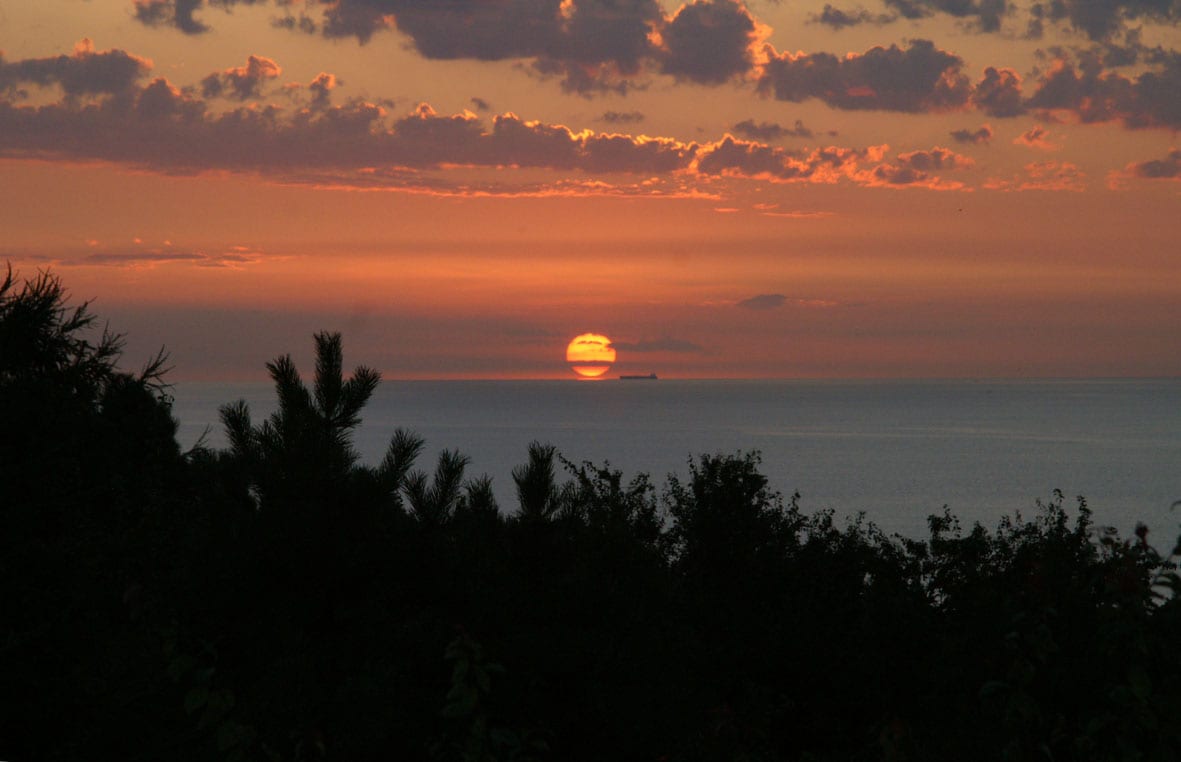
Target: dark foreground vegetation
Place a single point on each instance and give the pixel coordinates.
(281, 601)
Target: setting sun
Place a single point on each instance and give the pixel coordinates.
(590, 355)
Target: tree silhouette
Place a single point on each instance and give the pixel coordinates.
(537, 490)
(433, 503)
(42, 340)
(305, 447)
(70, 420)
(88, 466)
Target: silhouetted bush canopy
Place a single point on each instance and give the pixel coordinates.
(281, 600)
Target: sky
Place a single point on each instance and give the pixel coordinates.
(861, 189)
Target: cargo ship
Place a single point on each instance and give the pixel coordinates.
(649, 377)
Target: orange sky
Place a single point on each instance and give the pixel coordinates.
(903, 189)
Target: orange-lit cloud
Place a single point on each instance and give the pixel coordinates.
(710, 42)
(915, 170)
(1036, 137)
(83, 72)
(1093, 94)
(918, 78)
(998, 93)
(603, 46)
(241, 82)
(1167, 169)
(1044, 176)
(166, 128)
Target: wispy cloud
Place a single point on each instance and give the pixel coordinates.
(663, 344)
(1043, 176)
(982, 134)
(767, 302)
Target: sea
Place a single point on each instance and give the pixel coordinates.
(896, 451)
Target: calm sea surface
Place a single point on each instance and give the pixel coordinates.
(897, 450)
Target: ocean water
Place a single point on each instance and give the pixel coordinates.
(895, 450)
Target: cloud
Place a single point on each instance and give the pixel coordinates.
(838, 19)
(589, 41)
(622, 117)
(710, 41)
(593, 46)
(1102, 20)
(606, 31)
(664, 344)
(321, 88)
(935, 159)
(916, 79)
(763, 302)
(1094, 94)
(771, 210)
(165, 128)
(355, 19)
(144, 257)
(107, 113)
(302, 23)
(480, 104)
(1036, 137)
(766, 302)
(998, 93)
(587, 80)
(982, 134)
(243, 82)
(1168, 168)
(741, 158)
(1044, 176)
(770, 130)
(175, 13)
(83, 72)
(985, 15)
(1099, 20)
(914, 169)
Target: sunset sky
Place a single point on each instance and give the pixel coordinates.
(907, 188)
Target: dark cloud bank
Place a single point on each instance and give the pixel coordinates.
(112, 109)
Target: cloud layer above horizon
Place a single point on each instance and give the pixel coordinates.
(113, 105)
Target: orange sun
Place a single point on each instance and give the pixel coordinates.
(590, 355)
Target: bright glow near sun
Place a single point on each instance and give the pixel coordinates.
(590, 355)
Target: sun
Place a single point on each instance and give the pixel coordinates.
(590, 355)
